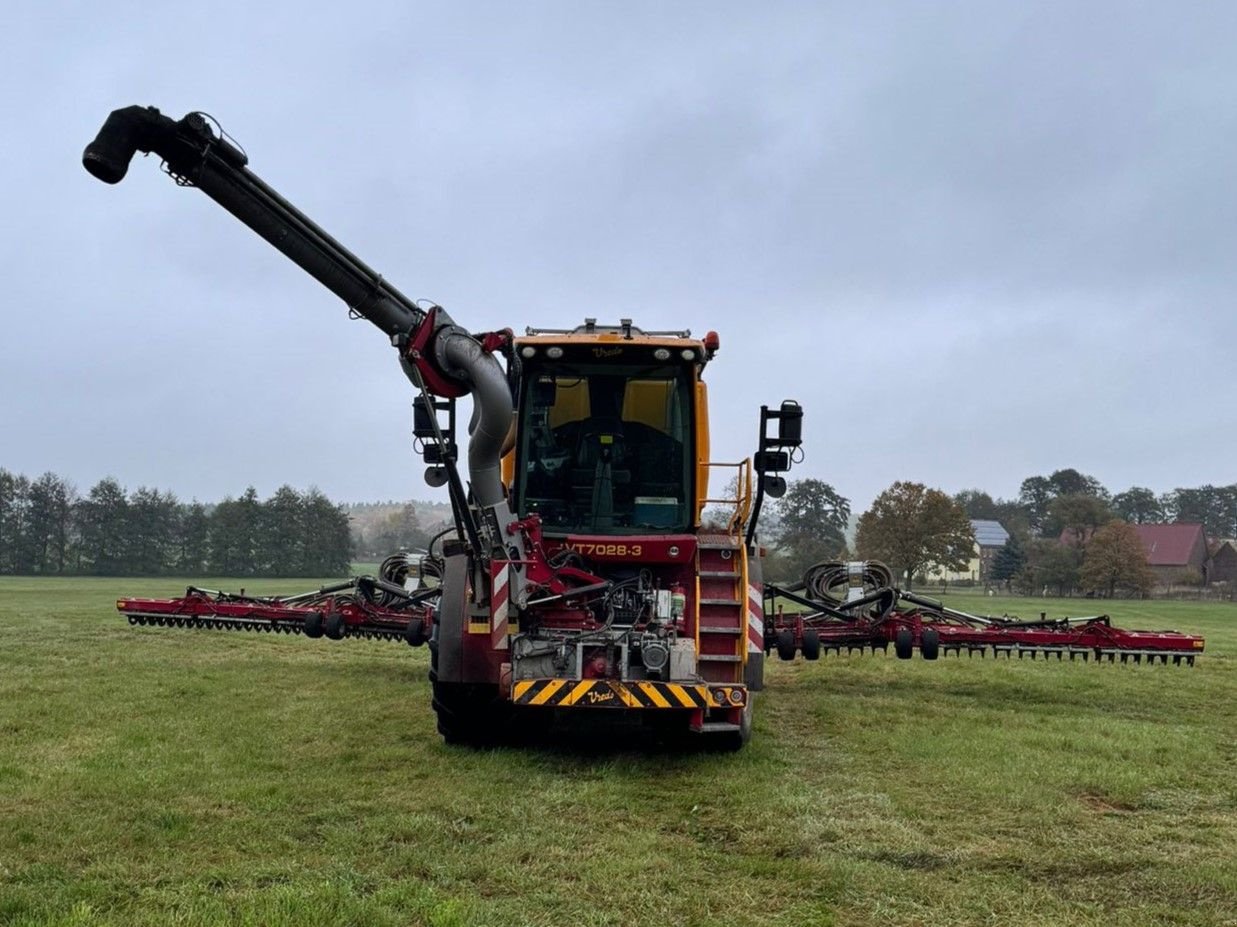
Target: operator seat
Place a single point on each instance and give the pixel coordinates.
(600, 473)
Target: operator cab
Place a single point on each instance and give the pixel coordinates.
(606, 442)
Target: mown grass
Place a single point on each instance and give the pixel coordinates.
(152, 776)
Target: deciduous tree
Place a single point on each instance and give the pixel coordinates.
(1038, 492)
(912, 528)
(1078, 515)
(977, 504)
(1115, 559)
(1214, 507)
(401, 530)
(1050, 567)
(1138, 505)
(1034, 495)
(1069, 482)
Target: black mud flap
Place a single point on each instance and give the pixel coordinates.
(452, 619)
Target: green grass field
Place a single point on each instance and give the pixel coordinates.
(157, 776)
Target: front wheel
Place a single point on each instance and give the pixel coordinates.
(470, 714)
(904, 644)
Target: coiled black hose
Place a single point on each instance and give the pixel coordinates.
(827, 581)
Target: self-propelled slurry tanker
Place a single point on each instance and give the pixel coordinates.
(578, 575)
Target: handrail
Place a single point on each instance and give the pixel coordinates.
(742, 500)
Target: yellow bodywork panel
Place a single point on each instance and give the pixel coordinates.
(702, 448)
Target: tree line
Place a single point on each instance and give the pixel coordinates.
(1067, 531)
(47, 528)
(1045, 505)
(399, 529)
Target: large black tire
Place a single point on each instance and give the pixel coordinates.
(786, 644)
(334, 626)
(469, 714)
(904, 644)
(313, 624)
(414, 634)
(930, 643)
(811, 645)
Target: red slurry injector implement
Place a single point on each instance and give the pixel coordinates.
(874, 614)
(372, 608)
(578, 573)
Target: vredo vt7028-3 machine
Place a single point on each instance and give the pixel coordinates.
(578, 576)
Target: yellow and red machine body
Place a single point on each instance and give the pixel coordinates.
(643, 608)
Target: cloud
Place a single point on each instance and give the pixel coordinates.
(977, 242)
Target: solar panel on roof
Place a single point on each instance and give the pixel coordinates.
(989, 533)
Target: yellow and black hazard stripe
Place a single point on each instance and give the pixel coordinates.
(610, 693)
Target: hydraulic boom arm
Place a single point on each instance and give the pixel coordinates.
(435, 353)
(196, 155)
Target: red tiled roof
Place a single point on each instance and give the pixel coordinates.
(1169, 545)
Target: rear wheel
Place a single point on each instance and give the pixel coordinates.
(930, 643)
(334, 626)
(313, 624)
(786, 644)
(414, 634)
(904, 644)
(811, 645)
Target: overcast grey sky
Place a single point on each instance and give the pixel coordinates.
(978, 241)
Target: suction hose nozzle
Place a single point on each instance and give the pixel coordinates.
(126, 131)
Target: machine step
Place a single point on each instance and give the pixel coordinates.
(719, 658)
(718, 574)
(721, 602)
(719, 629)
(718, 727)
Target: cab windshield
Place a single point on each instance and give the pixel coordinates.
(606, 449)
